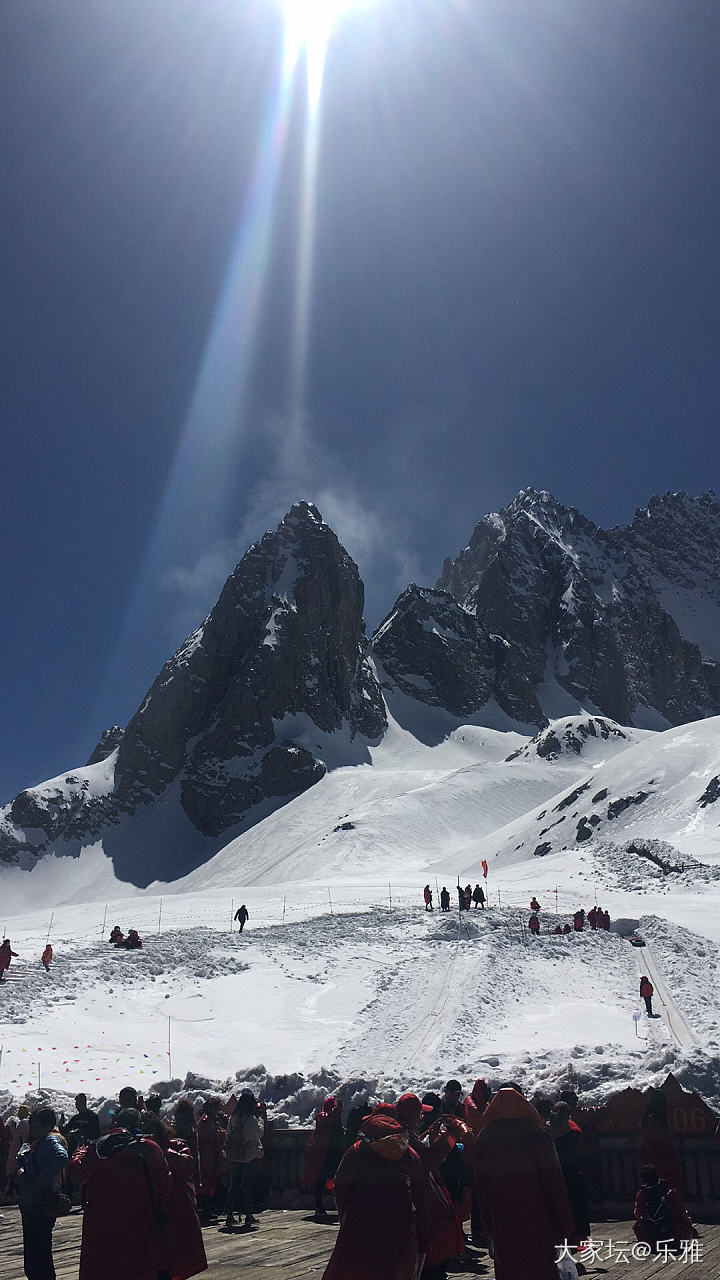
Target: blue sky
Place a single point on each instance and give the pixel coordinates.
(489, 260)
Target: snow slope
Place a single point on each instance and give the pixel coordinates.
(341, 980)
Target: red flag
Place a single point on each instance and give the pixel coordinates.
(483, 864)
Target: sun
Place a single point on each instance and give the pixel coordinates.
(308, 24)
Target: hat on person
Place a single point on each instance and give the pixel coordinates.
(385, 1109)
(453, 1086)
(377, 1127)
(409, 1106)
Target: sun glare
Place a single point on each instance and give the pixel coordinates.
(308, 24)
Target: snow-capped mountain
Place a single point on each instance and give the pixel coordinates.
(624, 621)
(233, 724)
(543, 616)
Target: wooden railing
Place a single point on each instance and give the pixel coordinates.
(613, 1178)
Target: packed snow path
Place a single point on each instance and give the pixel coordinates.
(679, 1029)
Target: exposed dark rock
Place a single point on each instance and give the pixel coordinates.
(436, 651)
(541, 849)
(584, 830)
(571, 797)
(711, 793)
(110, 739)
(625, 802)
(599, 795)
(569, 739)
(345, 826)
(235, 716)
(593, 609)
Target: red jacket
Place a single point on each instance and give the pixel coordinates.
(182, 1251)
(521, 1192)
(475, 1104)
(445, 1235)
(325, 1147)
(210, 1141)
(383, 1217)
(679, 1219)
(120, 1236)
(646, 988)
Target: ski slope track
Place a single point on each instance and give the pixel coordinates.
(342, 981)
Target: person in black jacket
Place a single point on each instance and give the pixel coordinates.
(243, 915)
(83, 1127)
(568, 1140)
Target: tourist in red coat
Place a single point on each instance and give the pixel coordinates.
(520, 1188)
(476, 1102)
(182, 1252)
(6, 954)
(445, 1239)
(210, 1141)
(660, 1215)
(380, 1194)
(324, 1151)
(127, 1180)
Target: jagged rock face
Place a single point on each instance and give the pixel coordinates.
(282, 655)
(569, 738)
(436, 651)
(286, 638)
(109, 741)
(611, 616)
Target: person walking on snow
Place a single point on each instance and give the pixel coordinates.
(46, 957)
(534, 925)
(427, 895)
(478, 897)
(6, 953)
(243, 915)
(444, 899)
(646, 994)
(534, 904)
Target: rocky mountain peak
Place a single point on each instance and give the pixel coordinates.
(109, 741)
(237, 717)
(619, 621)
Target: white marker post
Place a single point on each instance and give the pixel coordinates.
(102, 927)
(52, 917)
(232, 913)
(283, 920)
(169, 1052)
(160, 915)
(330, 901)
(390, 894)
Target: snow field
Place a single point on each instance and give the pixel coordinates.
(341, 981)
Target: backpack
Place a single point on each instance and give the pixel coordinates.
(657, 1214)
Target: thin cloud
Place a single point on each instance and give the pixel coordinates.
(378, 537)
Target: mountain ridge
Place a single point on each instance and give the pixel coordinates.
(542, 615)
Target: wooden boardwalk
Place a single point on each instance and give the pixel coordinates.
(289, 1245)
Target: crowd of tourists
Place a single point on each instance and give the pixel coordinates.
(595, 918)
(407, 1177)
(467, 897)
(146, 1186)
